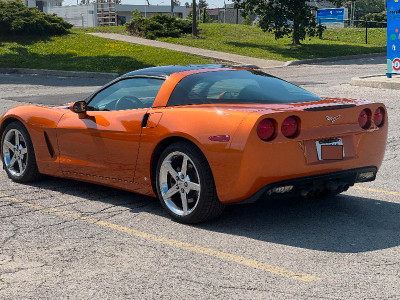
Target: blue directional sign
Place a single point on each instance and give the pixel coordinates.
(393, 36)
(331, 15)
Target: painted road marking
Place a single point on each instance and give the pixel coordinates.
(173, 243)
(376, 190)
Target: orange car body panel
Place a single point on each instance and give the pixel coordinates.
(111, 148)
(39, 120)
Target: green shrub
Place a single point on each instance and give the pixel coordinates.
(372, 18)
(17, 19)
(157, 26)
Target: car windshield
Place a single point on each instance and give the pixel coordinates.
(130, 93)
(237, 86)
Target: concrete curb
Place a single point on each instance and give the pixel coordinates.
(328, 59)
(59, 73)
(377, 81)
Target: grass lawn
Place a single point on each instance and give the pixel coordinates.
(81, 52)
(252, 41)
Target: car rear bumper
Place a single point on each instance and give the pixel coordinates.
(316, 185)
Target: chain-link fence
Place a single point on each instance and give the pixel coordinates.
(340, 23)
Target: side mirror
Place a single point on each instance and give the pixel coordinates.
(79, 107)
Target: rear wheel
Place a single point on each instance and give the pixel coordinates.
(185, 184)
(17, 154)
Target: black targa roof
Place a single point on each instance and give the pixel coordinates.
(165, 71)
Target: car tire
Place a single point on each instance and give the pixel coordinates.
(18, 155)
(185, 184)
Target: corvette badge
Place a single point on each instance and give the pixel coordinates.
(333, 119)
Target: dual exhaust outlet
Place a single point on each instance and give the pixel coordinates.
(331, 186)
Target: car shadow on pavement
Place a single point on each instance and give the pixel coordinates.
(344, 224)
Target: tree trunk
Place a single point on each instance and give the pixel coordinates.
(295, 41)
(194, 19)
(296, 33)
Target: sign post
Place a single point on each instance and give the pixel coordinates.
(393, 37)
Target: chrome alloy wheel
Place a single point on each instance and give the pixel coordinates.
(179, 183)
(15, 152)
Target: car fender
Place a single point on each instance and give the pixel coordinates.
(41, 123)
(195, 126)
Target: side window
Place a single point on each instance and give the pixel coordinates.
(131, 93)
(231, 88)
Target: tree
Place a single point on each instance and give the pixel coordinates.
(203, 4)
(363, 7)
(338, 3)
(18, 19)
(205, 16)
(282, 17)
(187, 5)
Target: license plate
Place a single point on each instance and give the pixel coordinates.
(330, 149)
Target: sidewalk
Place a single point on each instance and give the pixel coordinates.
(378, 81)
(234, 58)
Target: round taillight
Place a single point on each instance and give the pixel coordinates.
(379, 116)
(364, 119)
(266, 129)
(290, 127)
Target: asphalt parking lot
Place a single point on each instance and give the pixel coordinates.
(62, 239)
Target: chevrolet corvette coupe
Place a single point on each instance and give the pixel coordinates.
(199, 137)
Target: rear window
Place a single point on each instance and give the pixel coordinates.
(237, 87)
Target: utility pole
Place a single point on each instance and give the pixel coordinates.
(224, 12)
(194, 19)
(237, 15)
(172, 8)
(145, 8)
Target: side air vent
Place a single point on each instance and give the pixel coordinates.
(330, 107)
(49, 147)
(145, 119)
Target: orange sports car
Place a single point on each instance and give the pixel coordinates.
(199, 137)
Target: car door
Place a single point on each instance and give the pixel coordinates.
(105, 142)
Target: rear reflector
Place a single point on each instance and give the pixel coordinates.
(379, 116)
(220, 138)
(266, 129)
(290, 127)
(364, 119)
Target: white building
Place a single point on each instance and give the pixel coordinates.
(150, 10)
(77, 15)
(42, 3)
(86, 15)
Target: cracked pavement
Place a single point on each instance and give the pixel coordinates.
(53, 244)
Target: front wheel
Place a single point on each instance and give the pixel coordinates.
(17, 154)
(185, 185)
